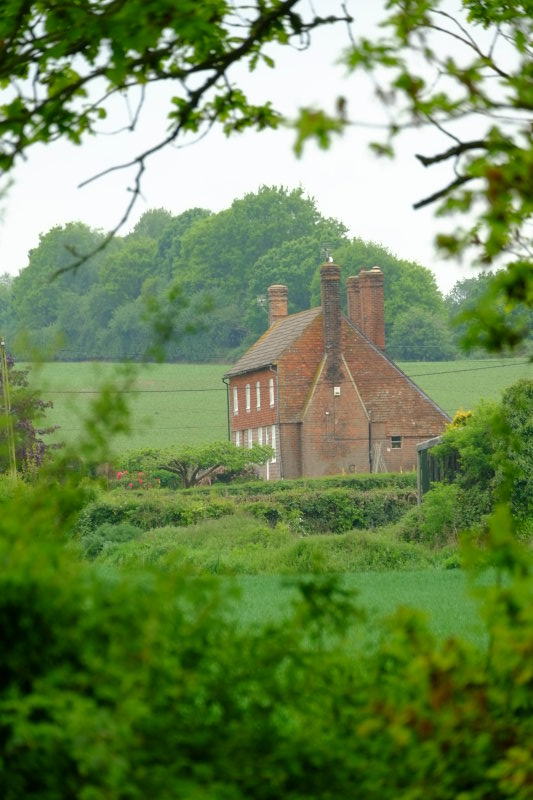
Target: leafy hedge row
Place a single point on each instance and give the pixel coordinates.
(334, 510)
(363, 482)
(150, 509)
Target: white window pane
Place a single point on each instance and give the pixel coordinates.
(271, 391)
(260, 435)
(247, 392)
(258, 395)
(235, 400)
(273, 443)
(237, 438)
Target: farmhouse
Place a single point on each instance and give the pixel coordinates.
(318, 387)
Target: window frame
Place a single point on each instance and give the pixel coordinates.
(272, 394)
(273, 444)
(235, 401)
(396, 442)
(248, 397)
(258, 395)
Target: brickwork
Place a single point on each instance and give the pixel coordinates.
(278, 299)
(340, 404)
(395, 405)
(371, 311)
(353, 300)
(334, 427)
(331, 317)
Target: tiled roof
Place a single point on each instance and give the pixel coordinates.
(270, 346)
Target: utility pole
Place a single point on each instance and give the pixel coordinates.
(10, 434)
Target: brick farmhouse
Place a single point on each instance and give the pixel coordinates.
(318, 387)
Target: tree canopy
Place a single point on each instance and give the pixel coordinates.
(215, 268)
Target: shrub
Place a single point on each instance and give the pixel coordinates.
(242, 545)
(359, 481)
(94, 542)
(333, 510)
(149, 509)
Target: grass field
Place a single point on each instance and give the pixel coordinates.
(186, 403)
(442, 595)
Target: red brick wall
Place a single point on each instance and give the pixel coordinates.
(334, 428)
(254, 418)
(395, 406)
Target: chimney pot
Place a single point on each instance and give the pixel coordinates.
(278, 299)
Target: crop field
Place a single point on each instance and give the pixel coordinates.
(443, 597)
(173, 404)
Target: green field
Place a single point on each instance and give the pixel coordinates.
(442, 595)
(186, 403)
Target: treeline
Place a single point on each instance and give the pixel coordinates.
(207, 273)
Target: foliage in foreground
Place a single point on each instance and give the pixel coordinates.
(130, 685)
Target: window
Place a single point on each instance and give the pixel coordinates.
(237, 438)
(260, 435)
(235, 400)
(395, 442)
(271, 391)
(250, 437)
(273, 444)
(258, 395)
(247, 393)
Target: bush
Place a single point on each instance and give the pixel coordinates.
(133, 685)
(149, 509)
(94, 542)
(359, 481)
(242, 545)
(333, 510)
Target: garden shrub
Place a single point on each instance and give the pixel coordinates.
(333, 510)
(149, 509)
(242, 545)
(94, 542)
(360, 481)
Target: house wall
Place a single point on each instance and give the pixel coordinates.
(334, 427)
(395, 406)
(255, 424)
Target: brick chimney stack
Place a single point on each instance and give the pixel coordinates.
(278, 299)
(371, 306)
(330, 276)
(354, 304)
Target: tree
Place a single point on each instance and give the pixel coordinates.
(406, 284)
(418, 335)
(64, 62)
(194, 464)
(27, 411)
(438, 68)
(470, 294)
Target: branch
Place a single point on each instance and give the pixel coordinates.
(443, 192)
(462, 147)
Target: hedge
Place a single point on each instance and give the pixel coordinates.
(361, 481)
(335, 510)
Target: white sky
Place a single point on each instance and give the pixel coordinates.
(372, 196)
